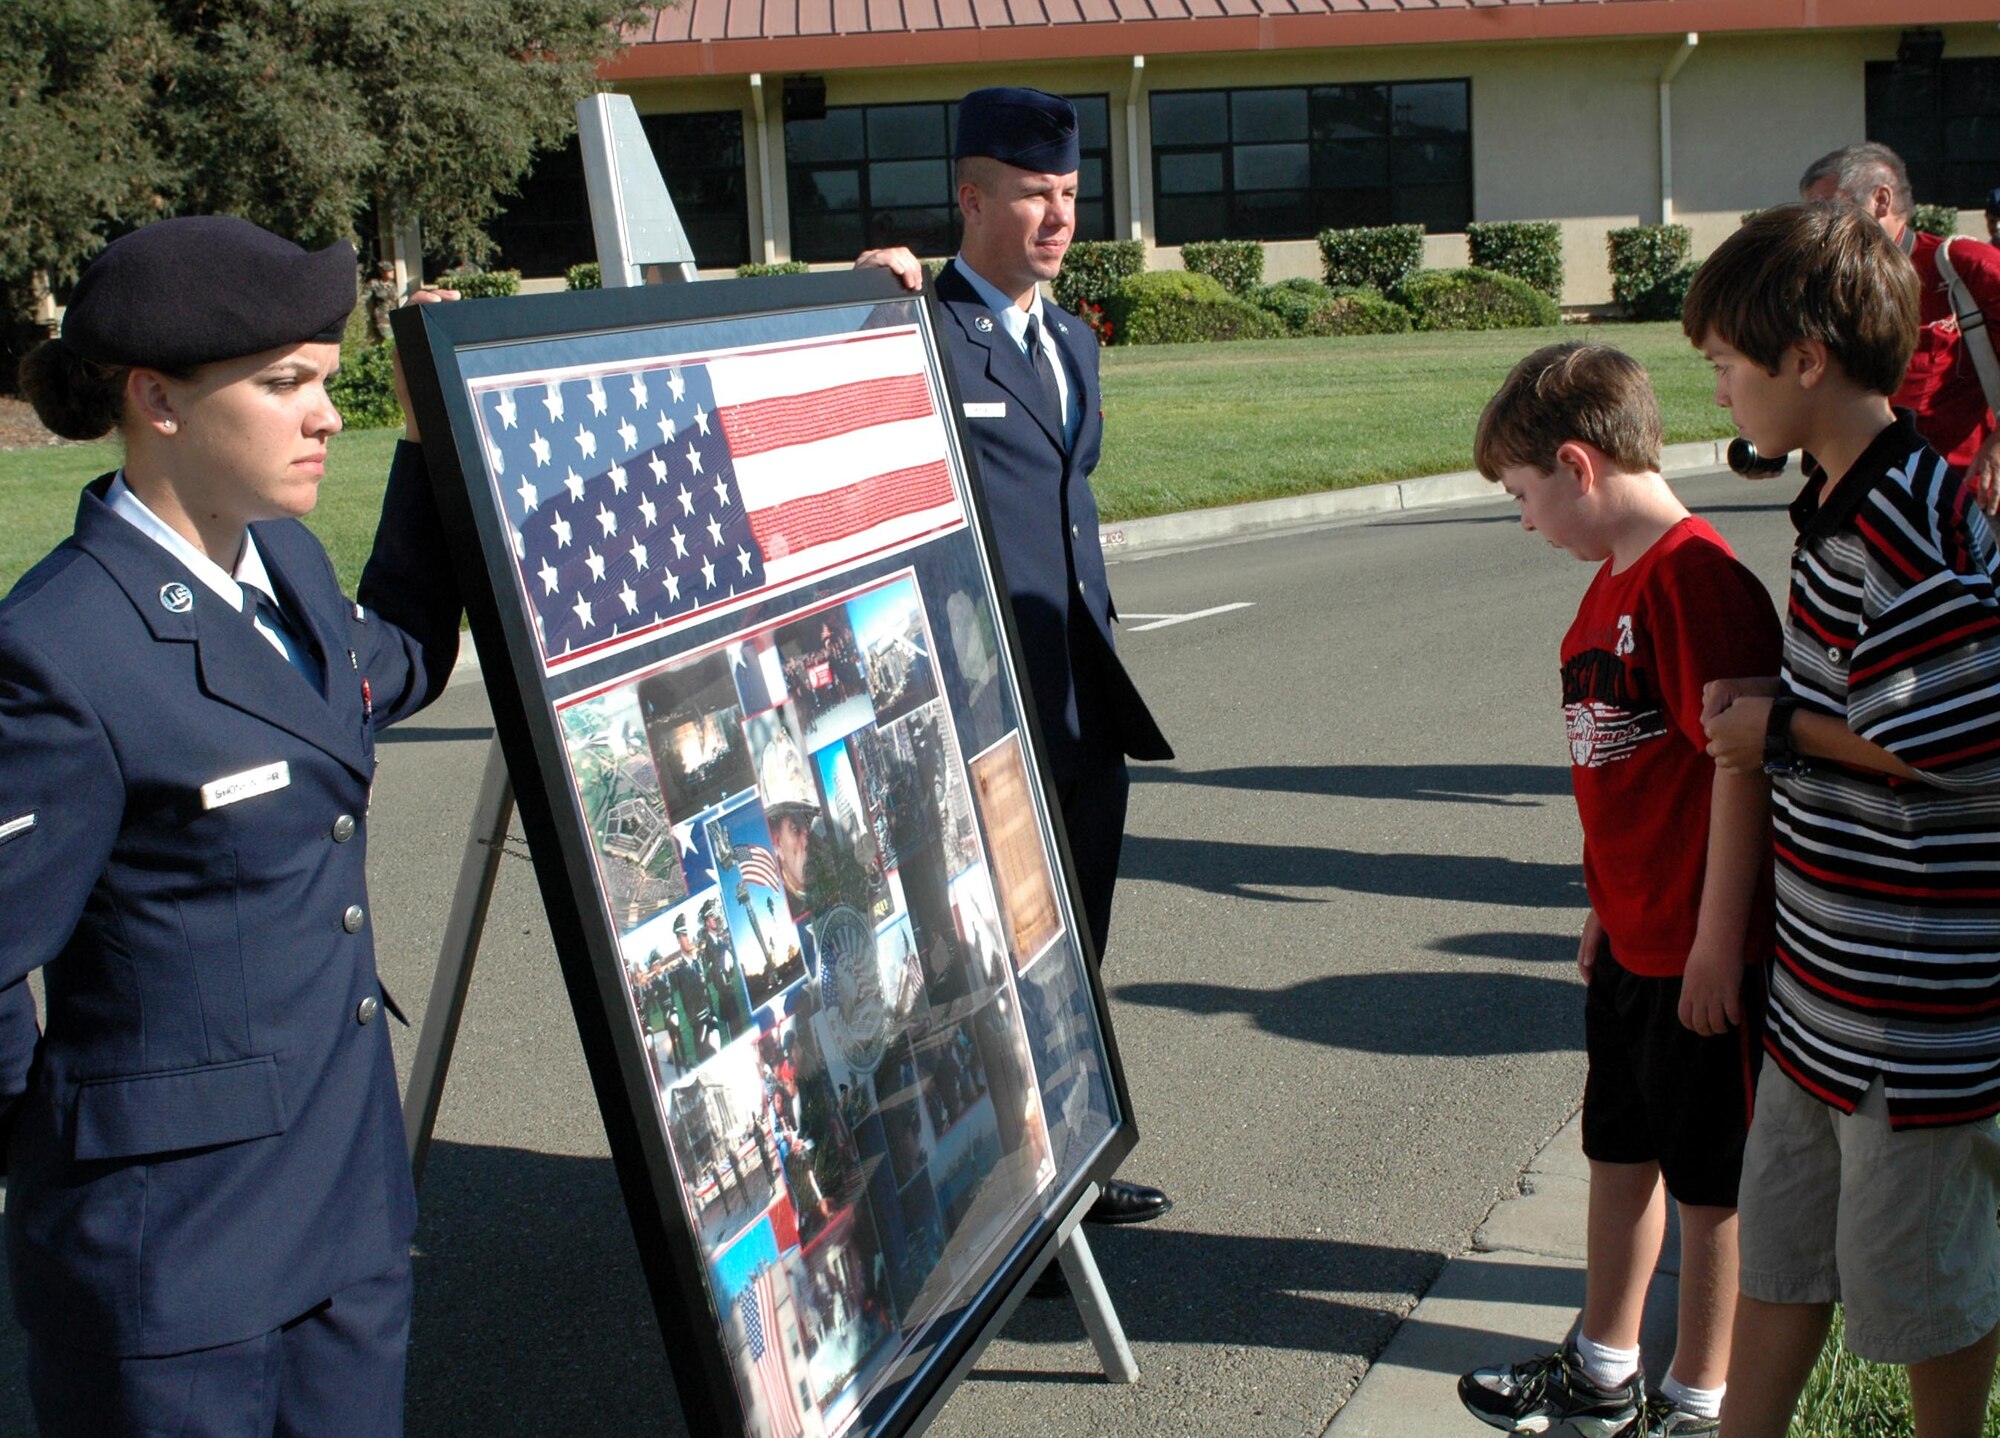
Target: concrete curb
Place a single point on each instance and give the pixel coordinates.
(1136, 538)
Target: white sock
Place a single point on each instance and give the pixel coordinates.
(1606, 1367)
(1702, 1402)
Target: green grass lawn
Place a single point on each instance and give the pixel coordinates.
(1186, 427)
(1847, 1398)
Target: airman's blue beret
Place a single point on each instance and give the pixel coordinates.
(1030, 129)
(184, 292)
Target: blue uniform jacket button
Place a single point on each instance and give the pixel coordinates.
(365, 1012)
(352, 919)
(343, 828)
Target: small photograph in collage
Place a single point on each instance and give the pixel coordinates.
(823, 674)
(619, 788)
(730, 1145)
(758, 671)
(1027, 887)
(847, 1311)
(688, 988)
(694, 724)
(753, 1282)
(889, 626)
(751, 886)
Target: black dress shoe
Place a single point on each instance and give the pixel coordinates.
(1123, 1202)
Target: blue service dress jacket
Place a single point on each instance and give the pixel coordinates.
(1045, 527)
(204, 1140)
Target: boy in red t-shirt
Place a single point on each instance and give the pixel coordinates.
(1676, 863)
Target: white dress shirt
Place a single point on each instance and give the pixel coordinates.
(1014, 320)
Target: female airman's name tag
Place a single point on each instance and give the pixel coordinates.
(234, 788)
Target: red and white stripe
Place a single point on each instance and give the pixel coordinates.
(759, 867)
(779, 1400)
(838, 450)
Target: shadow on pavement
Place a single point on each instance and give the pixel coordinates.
(1242, 870)
(1510, 944)
(1496, 784)
(1412, 1014)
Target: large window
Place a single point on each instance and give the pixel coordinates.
(1286, 164)
(546, 227)
(865, 176)
(1943, 118)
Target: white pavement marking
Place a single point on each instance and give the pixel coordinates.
(1161, 621)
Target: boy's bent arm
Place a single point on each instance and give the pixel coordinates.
(1736, 740)
(1738, 843)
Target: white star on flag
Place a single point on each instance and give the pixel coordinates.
(607, 521)
(549, 577)
(677, 385)
(687, 501)
(552, 402)
(618, 478)
(638, 389)
(638, 552)
(628, 598)
(721, 492)
(666, 426)
(529, 496)
(673, 583)
(714, 530)
(743, 558)
(597, 399)
(684, 836)
(649, 510)
(596, 563)
(503, 405)
(520, 545)
(560, 529)
(680, 543)
(582, 611)
(574, 483)
(495, 458)
(701, 418)
(628, 435)
(708, 572)
(541, 448)
(659, 468)
(694, 458)
(586, 442)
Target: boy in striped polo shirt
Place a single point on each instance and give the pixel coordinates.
(1872, 1173)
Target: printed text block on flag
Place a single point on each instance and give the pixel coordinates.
(642, 494)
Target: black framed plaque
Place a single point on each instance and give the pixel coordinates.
(756, 684)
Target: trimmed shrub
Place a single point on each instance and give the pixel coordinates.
(1378, 258)
(1094, 268)
(1238, 264)
(1174, 307)
(1529, 250)
(1664, 300)
(1359, 312)
(586, 276)
(1292, 301)
(363, 389)
(1934, 219)
(1476, 299)
(1643, 258)
(782, 267)
(473, 284)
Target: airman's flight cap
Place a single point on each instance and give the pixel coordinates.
(1029, 129)
(184, 292)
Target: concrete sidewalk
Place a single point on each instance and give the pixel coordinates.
(1512, 1295)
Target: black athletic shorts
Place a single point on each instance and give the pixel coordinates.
(1658, 1092)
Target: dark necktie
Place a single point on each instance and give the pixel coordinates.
(298, 654)
(1045, 377)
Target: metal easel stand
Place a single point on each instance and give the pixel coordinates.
(478, 871)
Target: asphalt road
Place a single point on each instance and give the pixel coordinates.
(1340, 980)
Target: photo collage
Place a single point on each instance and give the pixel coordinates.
(826, 912)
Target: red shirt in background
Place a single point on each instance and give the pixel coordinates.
(1633, 666)
(1942, 386)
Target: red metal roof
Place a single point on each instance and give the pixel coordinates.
(736, 37)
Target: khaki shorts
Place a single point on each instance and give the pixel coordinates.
(1899, 1228)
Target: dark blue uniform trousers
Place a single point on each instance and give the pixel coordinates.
(335, 1371)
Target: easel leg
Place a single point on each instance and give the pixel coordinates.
(477, 873)
(1093, 1305)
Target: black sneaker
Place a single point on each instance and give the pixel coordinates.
(1661, 1419)
(1544, 1392)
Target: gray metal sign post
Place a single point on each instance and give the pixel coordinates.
(640, 240)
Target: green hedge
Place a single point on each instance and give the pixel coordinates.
(1359, 312)
(1238, 264)
(1934, 219)
(474, 284)
(363, 389)
(586, 276)
(1292, 301)
(782, 267)
(1476, 299)
(1094, 268)
(1174, 307)
(1645, 260)
(1529, 250)
(1379, 258)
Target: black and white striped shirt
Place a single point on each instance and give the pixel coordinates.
(1888, 956)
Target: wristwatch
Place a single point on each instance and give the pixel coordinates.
(1779, 755)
